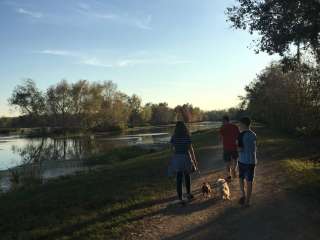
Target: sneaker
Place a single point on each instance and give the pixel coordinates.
(234, 173)
(190, 197)
(181, 202)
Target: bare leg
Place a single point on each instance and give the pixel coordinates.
(228, 169)
(234, 167)
(241, 181)
(249, 191)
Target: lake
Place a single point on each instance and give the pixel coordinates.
(62, 156)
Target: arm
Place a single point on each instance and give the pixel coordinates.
(221, 135)
(238, 134)
(193, 156)
(172, 140)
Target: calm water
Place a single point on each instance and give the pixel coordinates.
(62, 156)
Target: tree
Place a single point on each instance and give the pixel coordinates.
(28, 99)
(91, 105)
(135, 107)
(162, 114)
(109, 107)
(59, 99)
(121, 110)
(79, 92)
(280, 24)
(146, 113)
(286, 100)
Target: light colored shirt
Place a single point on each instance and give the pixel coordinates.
(248, 151)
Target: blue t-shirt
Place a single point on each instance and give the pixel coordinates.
(248, 147)
(181, 144)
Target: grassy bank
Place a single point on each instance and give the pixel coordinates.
(304, 178)
(93, 205)
(298, 158)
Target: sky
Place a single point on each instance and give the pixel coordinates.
(174, 51)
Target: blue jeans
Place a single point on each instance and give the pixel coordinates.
(187, 182)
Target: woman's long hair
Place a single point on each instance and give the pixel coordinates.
(181, 130)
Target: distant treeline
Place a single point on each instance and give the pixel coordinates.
(95, 106)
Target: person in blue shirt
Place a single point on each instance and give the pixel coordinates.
(247, 159)
(183, 161)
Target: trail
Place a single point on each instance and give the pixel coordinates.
(273, 213)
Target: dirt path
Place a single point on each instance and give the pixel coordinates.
(273, 214)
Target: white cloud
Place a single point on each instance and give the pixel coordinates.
(57, 52)
(177, 62)
(106, 16)
(29, 13)
(117, 61)
(125, 19)
(143, 23)
(130, 62)
(95, 62)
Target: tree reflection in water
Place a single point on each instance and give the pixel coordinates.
(40, 160)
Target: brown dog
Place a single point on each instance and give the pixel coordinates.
(206, 190)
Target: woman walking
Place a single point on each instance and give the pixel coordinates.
(183, 162)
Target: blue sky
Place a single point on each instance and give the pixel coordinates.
(175, 51)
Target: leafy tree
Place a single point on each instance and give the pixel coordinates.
(136, 110)
(120, 110)
(146, 113)
(280, 24)
(79, 92)
(92, 105)
(188, 113)
(59, 99)
(162, 114)
(28, 99)
(286, 100)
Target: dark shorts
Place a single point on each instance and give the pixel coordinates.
(246, 171)
(230, 155)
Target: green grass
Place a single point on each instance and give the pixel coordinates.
(303, 177)
(117, 155)
(93, 205)
(299, 160)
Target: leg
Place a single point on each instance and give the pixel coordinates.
(179, 184)
(187, 180)
(249, 182)
(228, 169)
(249, 191)
(234, 167)
(227, 160)
(234, 161)
(241, 182)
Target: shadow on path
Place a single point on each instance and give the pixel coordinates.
(273, 219)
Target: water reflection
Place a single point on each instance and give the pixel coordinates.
(42, 159)
(45, 158)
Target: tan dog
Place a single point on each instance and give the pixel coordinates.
(222, 189)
